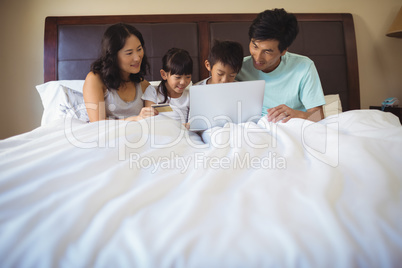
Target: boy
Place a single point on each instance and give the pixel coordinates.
(224, 62)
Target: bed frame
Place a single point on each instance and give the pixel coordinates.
(72, 43)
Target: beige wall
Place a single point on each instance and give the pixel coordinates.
(21, 46)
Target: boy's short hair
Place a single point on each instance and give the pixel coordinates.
(275, 24)
(228, 53)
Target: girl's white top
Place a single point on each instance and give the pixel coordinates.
(180, 106)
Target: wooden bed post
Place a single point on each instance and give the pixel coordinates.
(50, 49)
(203, 30)
(352, 63)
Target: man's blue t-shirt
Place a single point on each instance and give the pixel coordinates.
(294, 82)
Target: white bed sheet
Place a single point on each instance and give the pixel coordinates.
(151, 194)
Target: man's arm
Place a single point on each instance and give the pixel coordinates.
(284, 113)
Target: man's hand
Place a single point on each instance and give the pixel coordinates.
(285, 113)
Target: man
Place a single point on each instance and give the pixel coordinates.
(292, 86)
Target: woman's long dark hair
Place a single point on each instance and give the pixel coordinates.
(176, 61)
(107, 65)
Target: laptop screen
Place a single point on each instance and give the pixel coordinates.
(218, 104)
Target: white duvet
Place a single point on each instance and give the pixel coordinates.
(152, 194)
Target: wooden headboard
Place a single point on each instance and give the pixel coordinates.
(73, 43)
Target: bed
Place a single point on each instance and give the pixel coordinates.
(153, 194)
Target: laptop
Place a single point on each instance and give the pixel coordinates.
(217, 104)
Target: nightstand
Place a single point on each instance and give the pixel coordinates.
(395, 110)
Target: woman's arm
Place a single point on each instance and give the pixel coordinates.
(93, 92)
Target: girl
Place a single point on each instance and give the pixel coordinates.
(114, 87)
(177, 68)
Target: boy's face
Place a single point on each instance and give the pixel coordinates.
(220, 73)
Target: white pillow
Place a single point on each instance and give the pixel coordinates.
(73, 104)
(59, 99)
(332, 105)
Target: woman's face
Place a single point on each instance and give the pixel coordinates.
(130, 57)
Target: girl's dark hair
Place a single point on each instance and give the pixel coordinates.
(107, 65)
(228, 52)
(175, 61)
(275, 24)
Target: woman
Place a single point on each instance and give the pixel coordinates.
(114, 87)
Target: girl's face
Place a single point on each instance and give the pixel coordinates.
(175, 83)
(130, 57)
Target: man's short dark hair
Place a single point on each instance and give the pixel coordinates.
(275, 24)
(228, 53)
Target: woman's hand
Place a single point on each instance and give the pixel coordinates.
(145, 112)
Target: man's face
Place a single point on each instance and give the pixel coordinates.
(266, 55)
